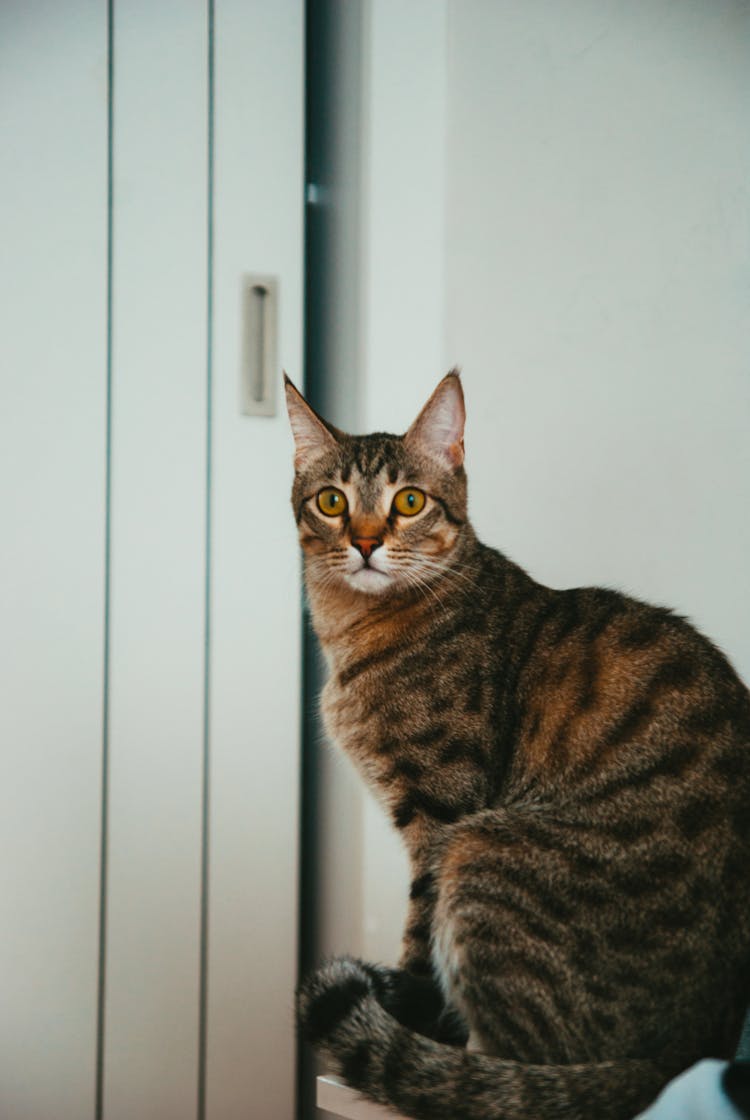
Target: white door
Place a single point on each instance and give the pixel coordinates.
(150, 642)
(53, 442)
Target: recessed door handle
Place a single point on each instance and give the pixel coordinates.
(258, 374)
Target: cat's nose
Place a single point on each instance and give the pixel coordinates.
(366, 545)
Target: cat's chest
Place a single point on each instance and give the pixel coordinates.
(404, 727)
(362, 721)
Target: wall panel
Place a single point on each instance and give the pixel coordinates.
(53, 285)
(158, 559)
(255, 657)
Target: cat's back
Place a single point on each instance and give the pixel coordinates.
(608, 683)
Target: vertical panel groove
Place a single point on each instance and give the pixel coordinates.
(203, 997)
(104, 825)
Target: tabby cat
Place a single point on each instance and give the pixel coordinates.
(570, 773)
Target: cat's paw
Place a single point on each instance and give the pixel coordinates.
(416, 1000)
(328, 995)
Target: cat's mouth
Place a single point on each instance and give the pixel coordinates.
(369, 577)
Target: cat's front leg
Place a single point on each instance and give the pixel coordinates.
(424, 840)
(416, 943)
(411, 993)
(417, 1002)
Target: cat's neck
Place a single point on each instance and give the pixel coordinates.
(345, 619)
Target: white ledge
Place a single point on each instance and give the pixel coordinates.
(336, 1097)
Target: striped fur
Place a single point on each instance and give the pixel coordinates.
(569, 771)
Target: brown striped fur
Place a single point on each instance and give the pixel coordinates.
(570, 773)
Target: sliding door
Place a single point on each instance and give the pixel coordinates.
(150, 670)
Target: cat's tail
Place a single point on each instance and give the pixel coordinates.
(339, 1013)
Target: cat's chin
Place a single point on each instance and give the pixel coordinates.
(369, 580)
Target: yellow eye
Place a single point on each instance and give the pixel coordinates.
(409, 501)
(331, 502)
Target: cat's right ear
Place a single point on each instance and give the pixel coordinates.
(312, 436)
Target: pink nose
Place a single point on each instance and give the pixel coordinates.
(366, 545)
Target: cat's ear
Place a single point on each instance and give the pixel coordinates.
(439, 428)
(312, 436)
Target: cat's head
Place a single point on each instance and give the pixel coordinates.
(380, 513)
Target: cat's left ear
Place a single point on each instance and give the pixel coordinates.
(312, 436)
(439, 428)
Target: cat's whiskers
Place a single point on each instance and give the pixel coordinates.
(415, 585)
(325, 572)
(449, 566)
(422, 586)
(449, 571)
(445, 574)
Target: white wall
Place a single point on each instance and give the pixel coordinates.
(555, 197)
(597, 279)
(403, 291)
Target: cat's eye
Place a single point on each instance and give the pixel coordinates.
(331, 502)
(409, 501)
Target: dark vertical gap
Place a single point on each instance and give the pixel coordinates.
(743, 1047)
(306, 1109)
(104, 824)
(319, 116)
(318, 21)
(205, 809)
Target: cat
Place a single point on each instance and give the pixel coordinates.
(570, 773)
